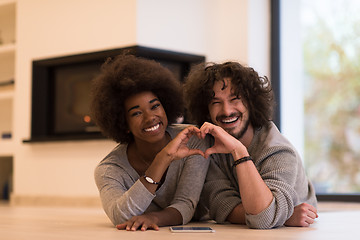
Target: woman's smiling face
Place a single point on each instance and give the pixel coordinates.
(146, 117)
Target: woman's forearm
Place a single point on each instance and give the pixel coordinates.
(167, 217)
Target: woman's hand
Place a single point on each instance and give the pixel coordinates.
(152, 220)
(144, 222)
(177, 148)
(304, 215)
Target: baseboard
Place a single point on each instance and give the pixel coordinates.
(58, 201)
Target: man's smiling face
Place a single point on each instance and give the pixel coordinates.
(227, 110)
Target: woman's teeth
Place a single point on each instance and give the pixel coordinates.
(154, 128)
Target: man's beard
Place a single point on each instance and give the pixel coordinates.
(240, 134)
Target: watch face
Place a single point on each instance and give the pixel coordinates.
(150, 180)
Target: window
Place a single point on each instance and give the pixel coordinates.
(319, 75)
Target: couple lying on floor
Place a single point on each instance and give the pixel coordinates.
(234, 167)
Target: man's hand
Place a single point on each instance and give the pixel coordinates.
(144, 222)
(224, 142)
(304, 215)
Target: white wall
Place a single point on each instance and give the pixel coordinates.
(55, 28)
(222, 30)
(215, 28)
(174, 25)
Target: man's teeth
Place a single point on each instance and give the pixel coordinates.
(229, 120)
(152, 128)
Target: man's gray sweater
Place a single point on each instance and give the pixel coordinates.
(280, 167)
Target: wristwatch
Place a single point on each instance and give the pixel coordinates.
(150, 180)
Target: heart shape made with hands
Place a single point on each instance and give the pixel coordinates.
(224, 142)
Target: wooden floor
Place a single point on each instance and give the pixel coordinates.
(50, 223)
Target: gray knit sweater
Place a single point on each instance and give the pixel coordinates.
(279, 166)
(123, 195)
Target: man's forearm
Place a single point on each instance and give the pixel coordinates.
(254, 193)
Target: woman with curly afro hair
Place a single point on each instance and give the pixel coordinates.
(155, 175)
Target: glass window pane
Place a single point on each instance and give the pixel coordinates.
(331, 93)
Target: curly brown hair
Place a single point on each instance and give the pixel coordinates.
(255, 91)
(124, 76)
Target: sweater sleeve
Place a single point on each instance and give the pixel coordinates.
(120, 196)
(281, 169)
(219, 193)
(190, 183)
(280, 172)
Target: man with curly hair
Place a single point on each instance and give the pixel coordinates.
(155, 175)
(256, 176)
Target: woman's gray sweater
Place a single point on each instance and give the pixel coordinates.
(124, 196)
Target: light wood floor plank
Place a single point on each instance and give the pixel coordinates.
(60, 223)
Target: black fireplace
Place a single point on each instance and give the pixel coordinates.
(61, 90)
